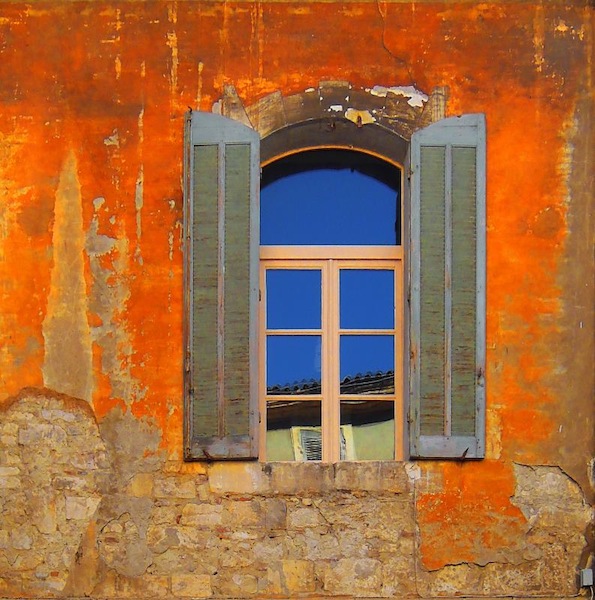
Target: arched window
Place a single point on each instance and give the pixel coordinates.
(327, 365)
(331, 307)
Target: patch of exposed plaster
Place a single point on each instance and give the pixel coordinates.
(122, 546)
(133, 445)
(335, 108)
(67, 364)
(109, 260)
(118, 538)
(413, 472)
(415, 97)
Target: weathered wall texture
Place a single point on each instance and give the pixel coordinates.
(94, 497)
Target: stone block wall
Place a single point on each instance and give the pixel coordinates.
(97, 511)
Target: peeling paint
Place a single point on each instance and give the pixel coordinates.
(108, 297)
(538, 38)
(172, 42)
(416, 98)
(360, 117)
(199, 70)
(113, 139)
(138, 204)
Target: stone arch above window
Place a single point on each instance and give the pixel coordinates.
(336, 114)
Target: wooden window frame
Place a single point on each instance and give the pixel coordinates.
(330, 260)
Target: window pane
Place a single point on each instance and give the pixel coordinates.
(294, 430)
(293, 299)
(372, 429)
(293, 364)
(367, 364)
(330, 198)
(367, 299)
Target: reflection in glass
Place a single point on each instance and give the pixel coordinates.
(294, 430)
(372, 428)
(367, 299)
(367, 364)
(330, 197)
(293, 299)
(293, 364)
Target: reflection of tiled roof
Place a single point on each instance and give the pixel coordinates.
(380, 382)
(310, 386)
(362, 383)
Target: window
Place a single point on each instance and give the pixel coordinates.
(331, 331)
(438, 278)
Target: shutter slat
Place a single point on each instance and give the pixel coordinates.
(432, 317)
(204, 283)
(237, 282)
(464, 290)
(221, 260)
(447, 321)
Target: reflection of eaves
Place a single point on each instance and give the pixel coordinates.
(381, 382)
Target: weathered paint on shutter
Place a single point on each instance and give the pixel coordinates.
(221, 288)
(447, 294)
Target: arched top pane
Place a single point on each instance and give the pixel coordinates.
(330, 197)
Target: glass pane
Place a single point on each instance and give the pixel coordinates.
(367, 299)
(369, 426)
(293, 299)
(294, 430)
(367, 364)
(293, 364)
(329, 197)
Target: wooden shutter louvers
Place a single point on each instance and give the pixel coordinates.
(447, 293)
(221, 273)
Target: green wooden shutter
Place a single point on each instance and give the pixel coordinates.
(447, 290)
(222, 172)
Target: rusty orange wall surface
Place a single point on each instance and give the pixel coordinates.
(92, 103)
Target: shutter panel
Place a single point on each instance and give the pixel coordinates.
(222, 172)
(447, 293)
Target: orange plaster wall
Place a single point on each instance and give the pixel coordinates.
(111, 82)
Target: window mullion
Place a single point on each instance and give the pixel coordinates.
(331, 420)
